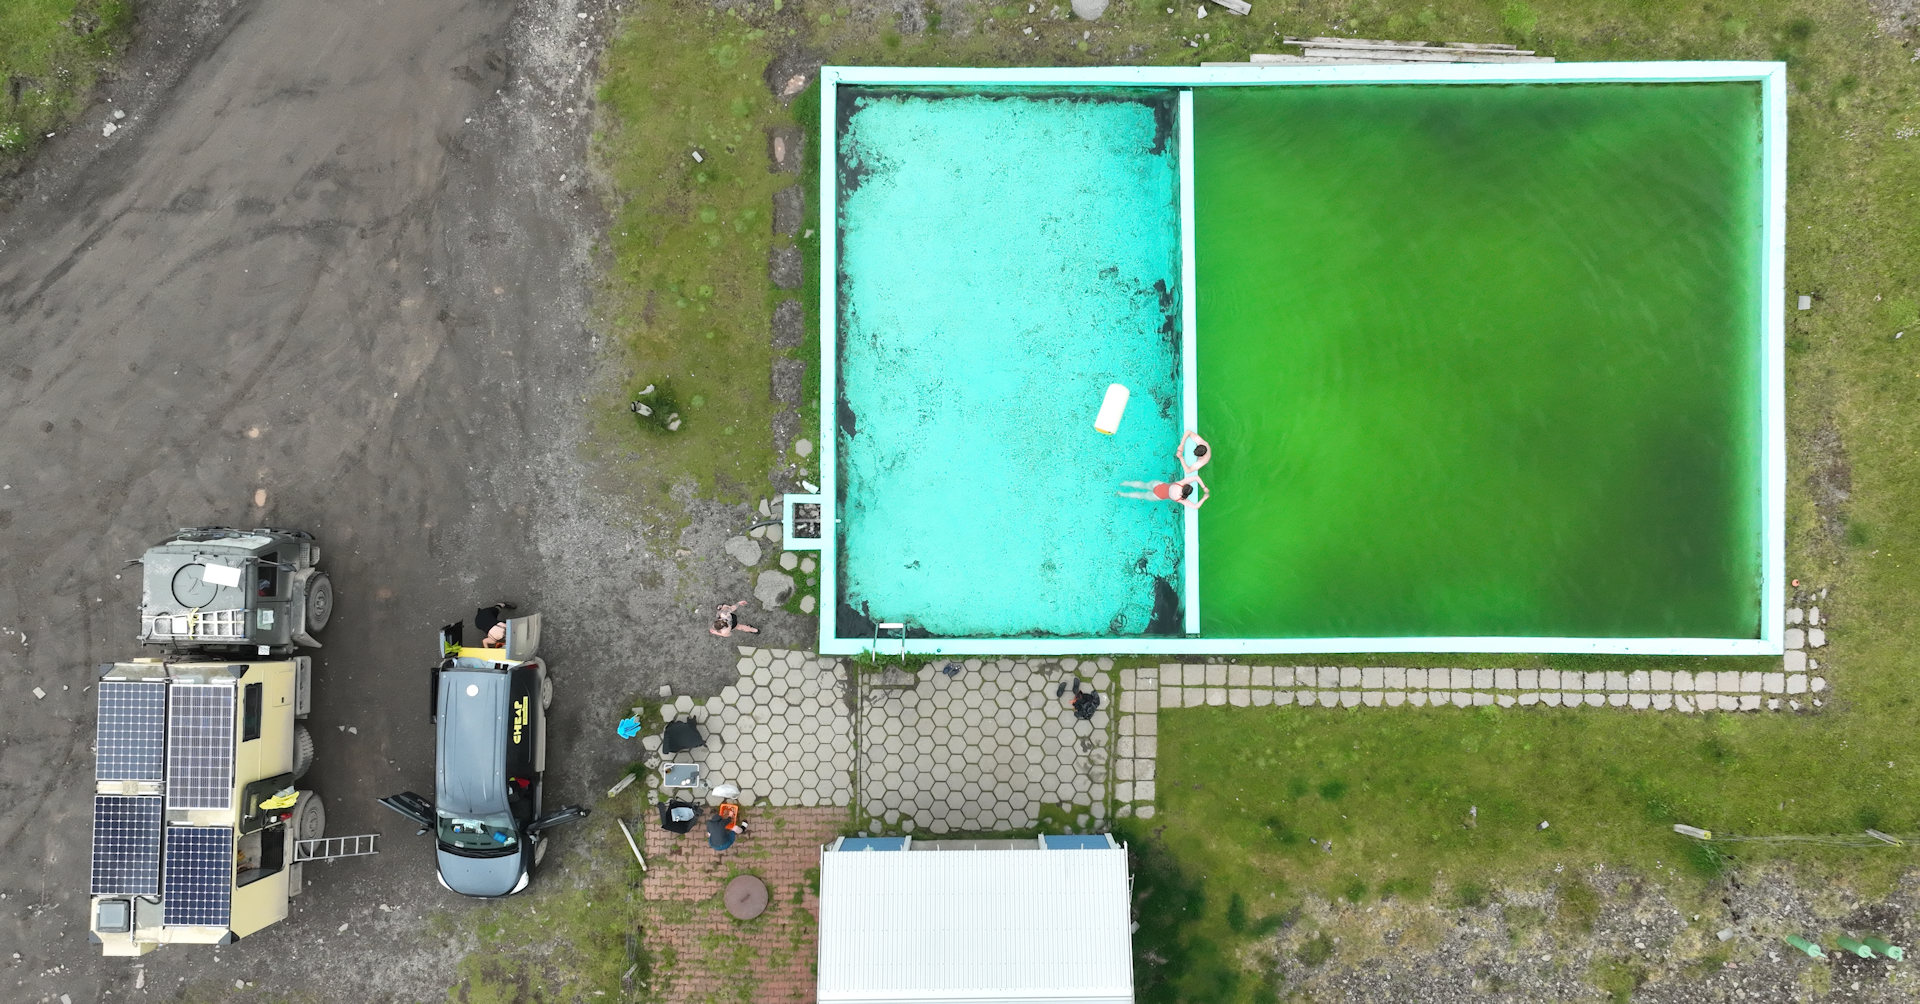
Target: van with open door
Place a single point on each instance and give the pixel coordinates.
(488, 706)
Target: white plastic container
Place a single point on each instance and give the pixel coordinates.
(1111, 408)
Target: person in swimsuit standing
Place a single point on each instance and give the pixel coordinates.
(726, 620)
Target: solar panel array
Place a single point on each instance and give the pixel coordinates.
(126, 844)
(199, 877)
(131, 732)
(200, 746)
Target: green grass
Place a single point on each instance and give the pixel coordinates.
(51, 53)
(687, 294)
(566, 937)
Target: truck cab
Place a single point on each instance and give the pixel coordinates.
(216, 588)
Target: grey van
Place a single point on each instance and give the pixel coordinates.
(490, 750)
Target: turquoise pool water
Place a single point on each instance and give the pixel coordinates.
(1002, 258)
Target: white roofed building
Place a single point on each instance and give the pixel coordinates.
(1043, 921)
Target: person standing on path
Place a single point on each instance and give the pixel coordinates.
(726, 620)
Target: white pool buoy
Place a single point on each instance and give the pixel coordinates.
(1111, 408)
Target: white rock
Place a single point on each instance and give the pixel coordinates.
(804, 447)
(109, 129)
(743, 550)
(807, 604)
(39, 694)
(772, 588)
(1202, 13)
(118, 115)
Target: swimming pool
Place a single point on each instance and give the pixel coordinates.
(1489, 356)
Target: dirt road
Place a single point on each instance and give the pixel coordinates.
(338, 254)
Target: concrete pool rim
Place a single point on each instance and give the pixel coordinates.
(1771, 78)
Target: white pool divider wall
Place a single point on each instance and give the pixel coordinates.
(1772, 598)
(1189, 367)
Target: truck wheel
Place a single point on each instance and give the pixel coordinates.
(546, 692)
(319, 601)
(302, 751)
(309, 818)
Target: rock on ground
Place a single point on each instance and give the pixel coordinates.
(744, 550)
(772, 588)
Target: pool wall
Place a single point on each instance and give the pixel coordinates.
(1772, 80)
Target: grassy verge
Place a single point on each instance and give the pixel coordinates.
(684, 146)
(51, 53)
(566, 938)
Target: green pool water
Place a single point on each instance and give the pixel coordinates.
(1480, 360)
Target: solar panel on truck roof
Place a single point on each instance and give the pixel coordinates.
(200, 746)
(130, 734)
(199, 877)
(126, 844)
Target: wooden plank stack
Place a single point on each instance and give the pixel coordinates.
(1324, 50)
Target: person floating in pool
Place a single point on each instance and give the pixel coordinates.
(1194, 452)
(1182, 491)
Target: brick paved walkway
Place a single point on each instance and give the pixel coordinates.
(700, 953)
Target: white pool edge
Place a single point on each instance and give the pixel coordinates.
(829, 603)
(1773, 286)
(1189, 356)
(1770, 75)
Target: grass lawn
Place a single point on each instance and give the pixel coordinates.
(1227, 859)
(51, 52)
(687, 289)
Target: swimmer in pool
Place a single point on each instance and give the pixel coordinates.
(1181, 491)
(1194, 452)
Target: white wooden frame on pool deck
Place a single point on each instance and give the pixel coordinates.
(1771, 77)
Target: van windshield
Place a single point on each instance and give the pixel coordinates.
(479, 835)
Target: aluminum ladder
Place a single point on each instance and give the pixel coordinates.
(329, 848)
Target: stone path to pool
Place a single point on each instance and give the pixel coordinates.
(990, 748)
(981, 750)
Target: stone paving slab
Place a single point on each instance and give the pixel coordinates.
(984, 749)
(783, 732)
(1352, 687)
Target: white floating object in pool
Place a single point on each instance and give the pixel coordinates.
(1115, 405)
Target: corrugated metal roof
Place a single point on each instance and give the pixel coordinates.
(963, 927)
